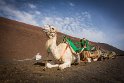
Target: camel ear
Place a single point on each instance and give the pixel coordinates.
(46, 28)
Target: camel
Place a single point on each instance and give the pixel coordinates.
(62, 52)
(99, 54)
(92, 55)
(95, 55)
(108, 54)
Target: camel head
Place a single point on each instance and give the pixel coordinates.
(50, 31)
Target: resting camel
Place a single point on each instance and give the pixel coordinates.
(108, 54)
(62, 52)
(95, 55)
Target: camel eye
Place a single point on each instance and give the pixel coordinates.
(52, 28)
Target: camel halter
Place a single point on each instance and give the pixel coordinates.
(50, 34)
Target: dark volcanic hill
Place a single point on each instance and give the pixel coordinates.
(20, 40)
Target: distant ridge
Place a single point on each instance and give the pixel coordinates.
(110, 48)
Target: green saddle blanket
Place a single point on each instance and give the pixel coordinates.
(74, 47)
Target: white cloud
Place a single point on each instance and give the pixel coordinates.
(25, 17)
(13, 13)
(95, 35)
(37, 12)
(71, 4)
(76, 26)
(31, 5)
(86, 15)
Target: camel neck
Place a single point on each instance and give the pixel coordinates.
(53, 48)
(53, 43)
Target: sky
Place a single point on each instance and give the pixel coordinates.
(97, 20)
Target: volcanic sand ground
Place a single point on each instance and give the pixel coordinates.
(108, 71)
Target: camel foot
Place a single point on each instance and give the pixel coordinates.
(50, 65)
(64, 65)
(89, 60)
(95, 59)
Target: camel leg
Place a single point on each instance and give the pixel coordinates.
(77, 59)
(89, 60)
(97, 55)
(51, 65)
(65, 65)
(95, 59)
(87, 54)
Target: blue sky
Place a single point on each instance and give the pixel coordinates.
(97, 20)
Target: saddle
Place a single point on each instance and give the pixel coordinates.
(72, 45)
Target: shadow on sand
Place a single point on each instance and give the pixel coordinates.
(39, 63)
